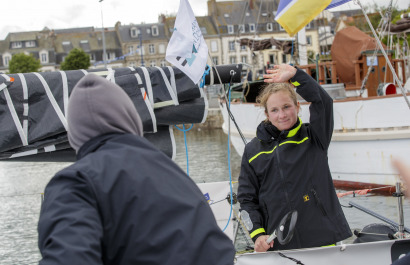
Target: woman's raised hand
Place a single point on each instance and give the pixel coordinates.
(279, 74)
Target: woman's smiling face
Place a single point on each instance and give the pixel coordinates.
(281, 110)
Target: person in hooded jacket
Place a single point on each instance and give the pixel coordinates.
(285, 168)
(123, 201)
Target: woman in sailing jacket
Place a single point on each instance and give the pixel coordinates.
(285, 167)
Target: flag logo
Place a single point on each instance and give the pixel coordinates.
(187, 49)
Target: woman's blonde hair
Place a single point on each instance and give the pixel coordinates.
(274, 88)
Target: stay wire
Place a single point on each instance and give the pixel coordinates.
(229, 161)
(226, 100)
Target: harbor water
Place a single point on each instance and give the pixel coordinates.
(21, 185)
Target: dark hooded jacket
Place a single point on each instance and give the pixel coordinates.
(123, 201)
(288, 170)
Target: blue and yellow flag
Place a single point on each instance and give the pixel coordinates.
(293, 15)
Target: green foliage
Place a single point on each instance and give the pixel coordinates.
(75, 60)
(23, 63)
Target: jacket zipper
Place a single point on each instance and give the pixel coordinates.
(296, 237)
(319, 202)
(282, 177)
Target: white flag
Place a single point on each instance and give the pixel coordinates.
(187, 49)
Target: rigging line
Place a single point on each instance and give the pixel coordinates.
(292, 259)
(238, 33)
(384, 54)
(376, 50)
(226, 100)
(243, 228)
(229, 163)
(186, 145)
(257, 22)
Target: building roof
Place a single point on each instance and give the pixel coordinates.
(87, 41)
(144, 29)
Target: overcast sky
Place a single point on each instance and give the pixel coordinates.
(34, 15)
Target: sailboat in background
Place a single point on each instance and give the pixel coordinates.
(371, 110)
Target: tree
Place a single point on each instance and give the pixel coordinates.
(23, 63)
(76, 59)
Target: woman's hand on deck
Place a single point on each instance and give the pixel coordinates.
(261, 245)
(279, 74)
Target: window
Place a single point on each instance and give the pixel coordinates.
(141, 50)
(308, 25)
(215, 60)
(204, 31)
(43, 57)
(269, 27)
(243, 47)
(155, 31)
(309, 40)
(16, 44)
(280, 28)
(244, 58)
(163, 63)
(284, 58)
(231, 45)
(252, 27)
(214, 46)
(232, 59)
(161, 48)
(134, 32)
(152, 63)
(148, 31)
(230, 29)
(92, 57)
(130, 49)
(271, 59)
(6, 59)
(111, 55)
(242, 28)
(30, 44)
(151, 49)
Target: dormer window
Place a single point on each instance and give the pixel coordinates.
(134, 32)
(264, 14)
(230, 29)
(16, 45)
(242, 28)
(30, 44)
(155, 31)
(269, 27)
(252, 27)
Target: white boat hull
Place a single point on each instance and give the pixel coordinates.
(368, 133)
(375, 253)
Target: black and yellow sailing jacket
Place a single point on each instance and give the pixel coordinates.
(291, 172)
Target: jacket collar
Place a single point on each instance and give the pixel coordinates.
(264, 134)
(93, 144)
